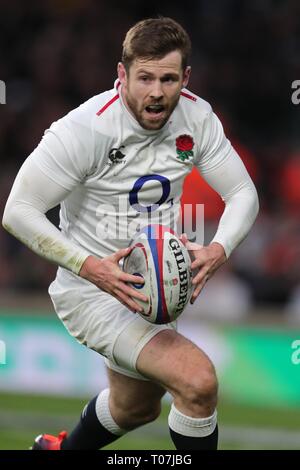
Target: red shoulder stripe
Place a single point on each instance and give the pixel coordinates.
(190, 97)
(107, 105)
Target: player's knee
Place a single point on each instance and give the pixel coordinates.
(139, 415)
(200, 388)
(148, 414)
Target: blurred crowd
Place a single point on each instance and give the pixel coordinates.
(56, 54)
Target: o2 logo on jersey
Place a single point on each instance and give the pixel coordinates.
(138, 185)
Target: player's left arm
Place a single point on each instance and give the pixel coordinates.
(222, 168)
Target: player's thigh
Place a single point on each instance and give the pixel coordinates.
(176, 363)
(128, 393)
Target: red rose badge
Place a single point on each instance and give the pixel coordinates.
(184, 147)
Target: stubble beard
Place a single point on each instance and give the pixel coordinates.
(144, 123)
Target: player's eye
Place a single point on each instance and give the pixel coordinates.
(168, 79)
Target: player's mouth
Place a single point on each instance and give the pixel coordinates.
(155, 111)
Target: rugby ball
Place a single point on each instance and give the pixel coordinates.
(162, 260)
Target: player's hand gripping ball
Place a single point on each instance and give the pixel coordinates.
(162, 260)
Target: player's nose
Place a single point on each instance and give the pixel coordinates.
(156, 91)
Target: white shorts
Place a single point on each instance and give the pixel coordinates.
(100, 322)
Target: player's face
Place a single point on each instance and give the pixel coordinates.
(151, 89)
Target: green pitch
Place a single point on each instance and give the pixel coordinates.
(22, 417)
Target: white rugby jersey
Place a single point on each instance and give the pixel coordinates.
(111, 175)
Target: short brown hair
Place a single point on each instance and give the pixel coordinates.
(153, 38)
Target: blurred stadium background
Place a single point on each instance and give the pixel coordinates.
(56, 54)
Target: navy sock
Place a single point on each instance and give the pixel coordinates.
(89, 434)
(195, 443)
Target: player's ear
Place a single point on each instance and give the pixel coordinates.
(186, 76)
(122, 75)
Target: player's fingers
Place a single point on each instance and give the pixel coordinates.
(132, 292)
(191, 246)
(124, 303)
(183, 238)
(127, 301)
(198, 262)
(121, 254)
(197, 290)
(200, 276)
(134, 279)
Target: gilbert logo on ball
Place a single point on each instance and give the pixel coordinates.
(164, 263)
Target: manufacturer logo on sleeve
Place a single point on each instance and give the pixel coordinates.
(116, 156)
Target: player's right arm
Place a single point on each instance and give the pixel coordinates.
(34, 192)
